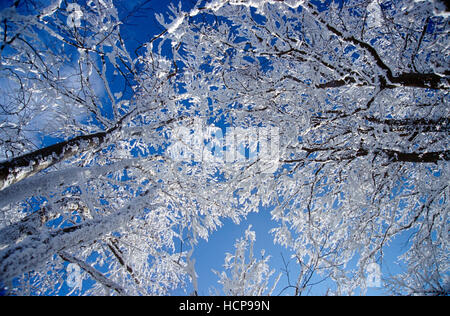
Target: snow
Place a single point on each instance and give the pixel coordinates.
(74, 18)
(175, 24)
(36, 250)
(51, 9)
(44, 184)
(375, 18)
(215, 5)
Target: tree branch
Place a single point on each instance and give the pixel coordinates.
(97, 276)
(418, 80)
(22, 167)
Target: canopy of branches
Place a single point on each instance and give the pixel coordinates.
(335, 116)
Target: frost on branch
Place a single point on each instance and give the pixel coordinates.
(245, 274)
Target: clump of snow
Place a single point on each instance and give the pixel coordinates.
(51, 9)
(215, 5)
(74, 18)
(175, 24)
(374, 14)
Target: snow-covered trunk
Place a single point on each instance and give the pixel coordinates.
(22, 167)
(36, 250)
(17, 169)
(26, 226)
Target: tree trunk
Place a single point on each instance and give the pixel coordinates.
(19, 168)
(36, 250)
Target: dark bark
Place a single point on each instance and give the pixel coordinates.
(418, 80)
(398, 156)
(342, 154)
(430, 157)
(337, 83)
(441, 125)
(19, 168)
(114, 247)
(22, 167)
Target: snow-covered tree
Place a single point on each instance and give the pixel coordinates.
(250, 278)
(357, 90)
(88, 199)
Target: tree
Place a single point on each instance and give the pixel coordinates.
(358, 91)
(68, 76)
(246, 278)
